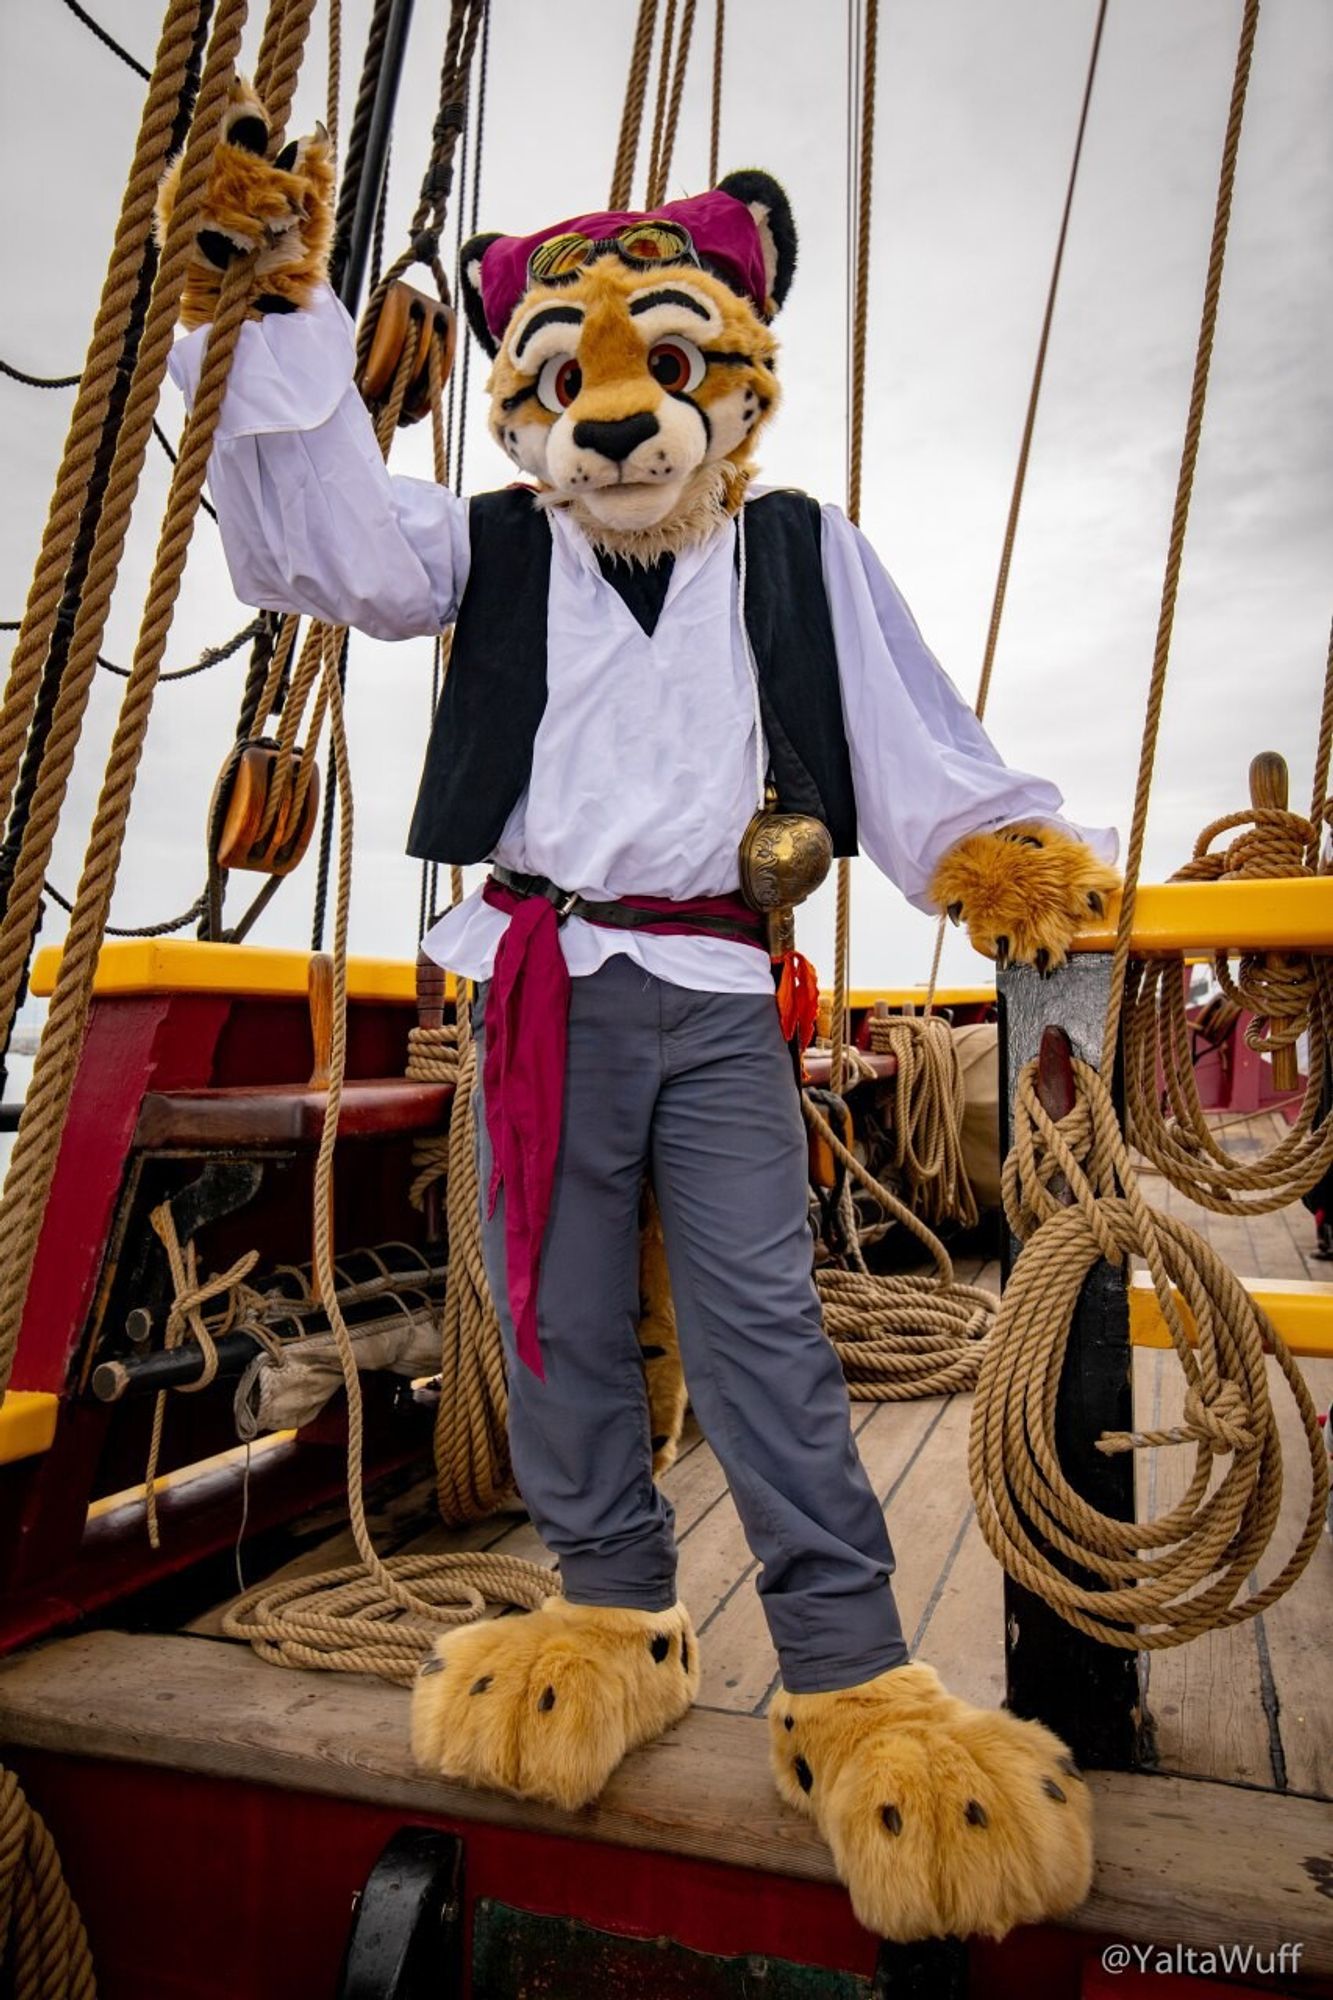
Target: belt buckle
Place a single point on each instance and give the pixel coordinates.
(567, 908)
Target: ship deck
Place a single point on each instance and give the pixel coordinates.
(1232, 1823)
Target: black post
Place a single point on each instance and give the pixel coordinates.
(1087, 1692)
(348, 272)
(57, 657)
(350, 255)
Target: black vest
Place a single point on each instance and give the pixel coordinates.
(479, 759)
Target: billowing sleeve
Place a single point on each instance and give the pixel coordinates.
(310, 519)
(926, 773)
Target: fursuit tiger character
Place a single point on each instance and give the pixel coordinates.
(648, 653)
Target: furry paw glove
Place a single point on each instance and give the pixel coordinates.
(943, 1819)
(283, 209)
(546, 1705)
(1023, 892)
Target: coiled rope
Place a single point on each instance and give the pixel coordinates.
(43, 1946)
(1164, 1581)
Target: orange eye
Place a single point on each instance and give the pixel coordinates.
(559, 383)
(677, 365)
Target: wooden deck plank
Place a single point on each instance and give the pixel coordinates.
(963, 1637)
(1297, 1631)
(1177, 1858)
(1206, 1699)
(739, 1669)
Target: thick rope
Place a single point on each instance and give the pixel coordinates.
(43, 1946)
(1070, 1191)
(715, 125)
(666, 145)
(1163, 1582)
(32, 1165)
(185, 1320)
(631, 116)
(862, 211)
(379, 1617)
(929, 1102)
(1025, 445)
(132, 244)
(1289, 995)
(663, 89)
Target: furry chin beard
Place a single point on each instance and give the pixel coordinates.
(632, 506)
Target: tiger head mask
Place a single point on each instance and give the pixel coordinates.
(633, 362)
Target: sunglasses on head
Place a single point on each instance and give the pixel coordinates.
(639, 244)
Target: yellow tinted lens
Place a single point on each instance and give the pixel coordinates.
(558, 257)
(653, 242)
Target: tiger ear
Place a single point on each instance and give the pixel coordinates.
(469, 284)
(768, 204)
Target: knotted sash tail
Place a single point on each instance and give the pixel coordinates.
(527, 1043)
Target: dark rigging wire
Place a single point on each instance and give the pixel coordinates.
(108, 41)
(210, 657)
(72, 382)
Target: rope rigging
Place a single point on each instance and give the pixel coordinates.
(1163, 1581)
(108, 41)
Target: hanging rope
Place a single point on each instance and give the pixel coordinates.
(43, 1946)
(1025, 445)
(132, 245)
(861, 210)
(33, 1160)
(715, 127)
(664, 131)
(631, 117)
(1165, 1581)
(107, 41)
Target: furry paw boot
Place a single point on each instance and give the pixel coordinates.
(943, 1819)
(1022, 891)
(546, 1705)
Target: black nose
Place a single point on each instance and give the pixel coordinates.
(616, 440)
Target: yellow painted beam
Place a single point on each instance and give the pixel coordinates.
(1302, 1313)
(1241, 916)
(915, 996)
(184, 965)
(27, 1424)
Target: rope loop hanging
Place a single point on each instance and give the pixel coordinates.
(1071, 1194)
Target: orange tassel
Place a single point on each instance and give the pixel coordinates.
(798, 998)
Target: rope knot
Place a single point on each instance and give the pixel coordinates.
(1222, 1420)
(426, 246)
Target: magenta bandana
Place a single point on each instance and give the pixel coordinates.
(523, 1077)
(722, 229)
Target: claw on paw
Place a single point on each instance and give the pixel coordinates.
(1023, 892)
(546, 1704)
(283, 210)
(943, 1819)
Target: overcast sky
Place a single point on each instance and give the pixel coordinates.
(977, 106)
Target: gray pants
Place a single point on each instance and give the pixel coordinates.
(696, 1088)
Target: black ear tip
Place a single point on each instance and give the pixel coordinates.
(250, 133)
(767, 199)
(469, 266)
(286, 159)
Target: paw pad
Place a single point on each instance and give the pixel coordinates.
(659, 1646)
(805, 1777)
(975, 1813)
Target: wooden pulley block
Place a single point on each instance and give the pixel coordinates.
(408, 316)
(240, 803)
